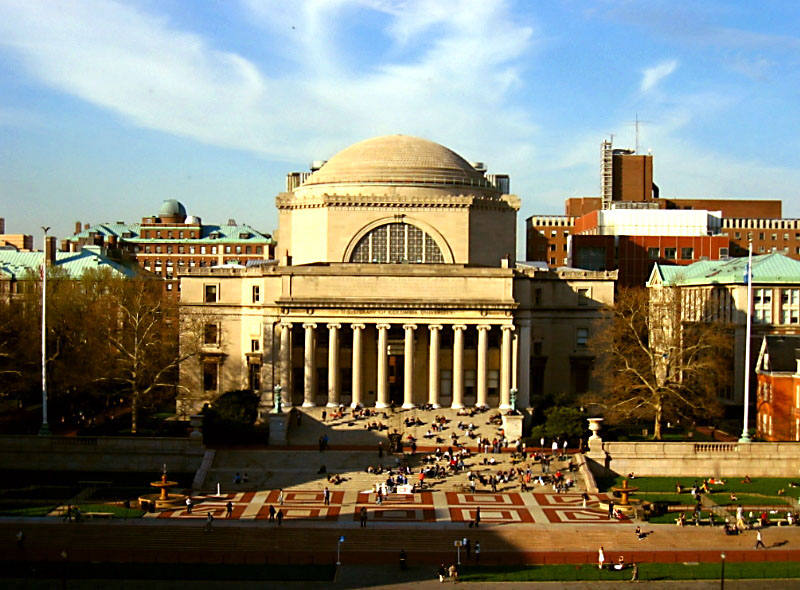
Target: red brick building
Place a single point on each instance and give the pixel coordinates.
(627, 184)
(778, 392)
(171, 241)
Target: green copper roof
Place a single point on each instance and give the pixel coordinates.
(209, 234)
(16, 265)
(767, 268)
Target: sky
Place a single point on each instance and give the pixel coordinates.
(109, 107)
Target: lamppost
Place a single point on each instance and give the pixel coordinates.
(722, 573)
(44, 430)
(748, 275)
(339, 550)
(276, 391)
(458, 551)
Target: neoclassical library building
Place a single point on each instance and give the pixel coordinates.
(394, 282)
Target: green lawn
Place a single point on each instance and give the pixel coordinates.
(647, 571)
(117, 511)
(762, 491)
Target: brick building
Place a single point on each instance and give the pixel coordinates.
(627, 185)
(171, 241)
(778, 394)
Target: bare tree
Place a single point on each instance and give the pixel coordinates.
(655, 364)
(142, 326)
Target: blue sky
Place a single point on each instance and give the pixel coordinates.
(107, 108)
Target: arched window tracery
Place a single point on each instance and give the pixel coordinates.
(397, 242)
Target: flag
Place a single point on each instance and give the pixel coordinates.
(748, 274)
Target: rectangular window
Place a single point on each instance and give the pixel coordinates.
(255, 377)
(211, 334)
(227, 249)
(256, 293)
(653, 253)
(761, 235)
(469, 382)
(493, 381)
(211, 294)
(785, 236)
(238, 249)
(553, 233)
(687, 253)
(583, 296)
(191, 249)
(255, 345)
(774, 237)
(553, 261)
(180, 250)
(582, 336)
(790, 306)
(446, 382)
(737, 235)
(213, 249)
(762, 306)
(670, 253)
(169, 249)
(552, 247)
(158, 249)
(210, 376)
(723, 252)
(537, 297)
(202, 249)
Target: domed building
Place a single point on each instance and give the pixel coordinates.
(394, 283)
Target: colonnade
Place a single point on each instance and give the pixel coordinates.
(510, 345)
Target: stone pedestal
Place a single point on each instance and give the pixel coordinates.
(278, 428)
(512, 426)
(595, 442)
(196, 421)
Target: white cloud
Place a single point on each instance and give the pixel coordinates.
(161, 77)
(652, 76)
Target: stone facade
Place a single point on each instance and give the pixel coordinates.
(395, 284)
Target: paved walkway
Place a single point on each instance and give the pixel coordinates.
(344, 507)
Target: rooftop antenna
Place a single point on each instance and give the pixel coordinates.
(636, 123)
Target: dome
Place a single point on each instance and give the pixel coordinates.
(172, 208)
(401, 159)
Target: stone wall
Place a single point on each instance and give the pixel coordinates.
(89, 453)
(695, 459)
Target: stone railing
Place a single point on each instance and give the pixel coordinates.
(696, 459)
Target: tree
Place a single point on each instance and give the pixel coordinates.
(655, 364)
(561, 423)
(141, 324)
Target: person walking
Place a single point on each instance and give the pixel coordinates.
(380, 450)
(467, 548)
(442, 573)
(229, 509)
(326, 497)
(759, 541)
(403, 559)
(601, 558)
(454, 573)
(477, 516)
(477, 550)
(271, 513)
(280, 497)
(279, 516)
(209, 528)
(363, 517)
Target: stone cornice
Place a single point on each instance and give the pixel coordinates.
(288, 201)
(320, 305)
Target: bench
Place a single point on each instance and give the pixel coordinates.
(97, 515)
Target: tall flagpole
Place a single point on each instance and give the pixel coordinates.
(745, 438)
(44, 430)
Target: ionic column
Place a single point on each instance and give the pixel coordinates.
(458, 367)
(505, 368)
(286, 363)
(408, 366)
(309, 367)
(357, 352)
(334, 383)
(433, 367)
(483, 349)
(383, 367)
(514, 361)
(524, 364)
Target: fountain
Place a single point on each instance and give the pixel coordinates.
(625, 505)
(163, 500)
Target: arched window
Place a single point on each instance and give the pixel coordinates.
(397, 242)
